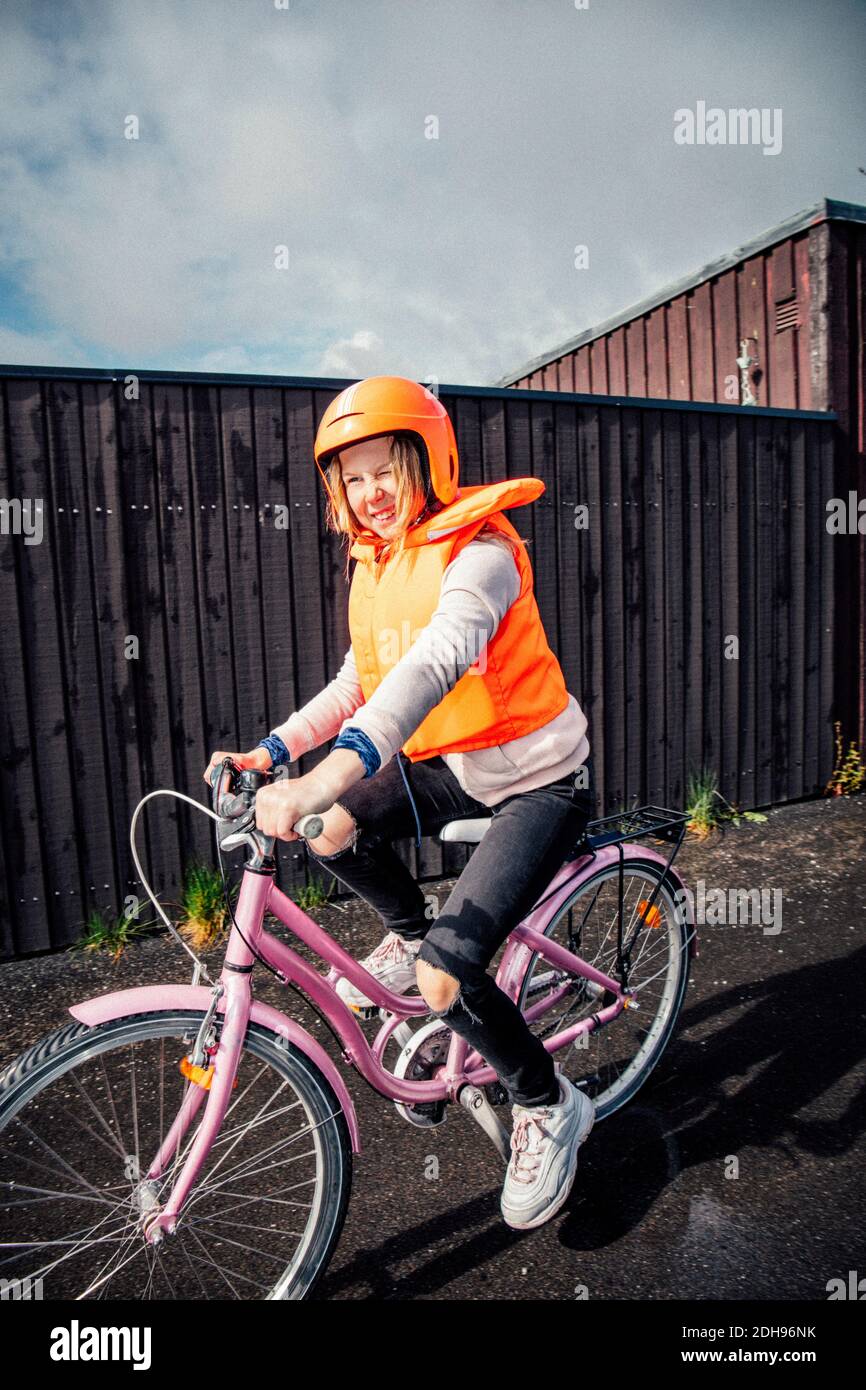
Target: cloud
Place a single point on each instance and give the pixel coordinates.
(306, 128)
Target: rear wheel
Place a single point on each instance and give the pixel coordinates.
(82, 1115)
(611, 1063)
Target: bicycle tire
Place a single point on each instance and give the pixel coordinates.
(57, 1054)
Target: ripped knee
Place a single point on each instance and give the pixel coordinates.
(340, 833)
(441, 991)
(438, 988)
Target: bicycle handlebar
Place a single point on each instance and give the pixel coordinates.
(229, 806)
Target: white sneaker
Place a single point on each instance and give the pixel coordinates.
(543, 1163)
(392, 962)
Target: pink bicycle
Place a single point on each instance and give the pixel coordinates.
(185, 1141)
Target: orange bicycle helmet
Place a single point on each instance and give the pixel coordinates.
(388, 405)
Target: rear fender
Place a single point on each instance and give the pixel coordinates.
(149, 999)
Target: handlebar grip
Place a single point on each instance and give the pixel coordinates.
(309, 827)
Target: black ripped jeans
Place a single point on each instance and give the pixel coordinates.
(531, 837)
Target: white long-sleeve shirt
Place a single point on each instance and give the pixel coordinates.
(478, 588)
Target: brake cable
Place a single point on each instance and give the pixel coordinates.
(201, 970)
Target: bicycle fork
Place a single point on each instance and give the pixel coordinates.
(161, 1218)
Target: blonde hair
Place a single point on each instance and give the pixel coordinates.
(405, 460)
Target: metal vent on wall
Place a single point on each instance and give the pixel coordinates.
(786, 314)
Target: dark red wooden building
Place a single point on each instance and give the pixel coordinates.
(794, 298)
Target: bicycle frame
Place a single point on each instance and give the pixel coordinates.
(258, 895)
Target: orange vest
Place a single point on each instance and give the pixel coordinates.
(514, 685)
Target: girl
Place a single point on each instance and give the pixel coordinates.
(449, 703)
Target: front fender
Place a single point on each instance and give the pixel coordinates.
(160, 999)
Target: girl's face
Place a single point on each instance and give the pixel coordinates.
(370, 484)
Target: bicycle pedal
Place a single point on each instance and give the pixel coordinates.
(365, 1012)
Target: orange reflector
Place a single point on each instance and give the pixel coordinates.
(651, 915)
(200, 1076)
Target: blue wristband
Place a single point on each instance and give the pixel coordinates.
(277, 749)
(357, 740)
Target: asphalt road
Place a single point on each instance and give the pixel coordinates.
(736, 1173)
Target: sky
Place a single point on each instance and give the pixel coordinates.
(341, 188)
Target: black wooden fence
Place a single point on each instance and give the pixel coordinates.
(165, 613)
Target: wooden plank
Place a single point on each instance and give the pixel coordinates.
(635, 358)
(693, 597)
(545, 557)
(819, 322)
(680, 382)
(656, 353)
(276, 516)
(781, 346)
(815, 531)
(726, 345)
(592, 594)
(676, 547)
(26, 926)
(655, 711)
(189, 670)
(466, 417)
(615, 674)
(700, 329)
(571, 542)
(77, 610)
(636, 709)
(45, 666)
(712, 587)
(582, 380)
(766, 684)
(565, 373)
(491, 463)
(549, 377)
(781, 609)
(797, 610)
(751, 307)
(238, 446)
(319, 581)
(598, 367)
(804, 290)
(729, 574)
(105, 536)
(616, 362)
(747, 627)
(835, 555)
(139, 523)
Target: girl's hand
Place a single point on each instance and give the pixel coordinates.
(258, 758)
(282, 804)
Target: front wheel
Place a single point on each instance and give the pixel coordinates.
(611, 1063)
(84, 1111)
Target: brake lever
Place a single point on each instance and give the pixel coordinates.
(308, 827)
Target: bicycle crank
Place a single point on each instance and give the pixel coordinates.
(425, 1051)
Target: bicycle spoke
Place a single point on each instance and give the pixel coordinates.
(220, 1269)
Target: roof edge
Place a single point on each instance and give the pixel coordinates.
(828, 209)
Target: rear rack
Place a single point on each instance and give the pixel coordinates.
(631, 825)
(654, 821)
